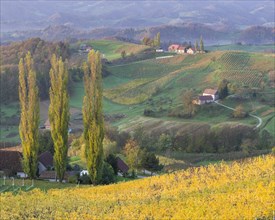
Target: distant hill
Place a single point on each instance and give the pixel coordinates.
(219, 22)
(27, 15)
(183, 32)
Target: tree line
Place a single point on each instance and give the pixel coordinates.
(59, 114)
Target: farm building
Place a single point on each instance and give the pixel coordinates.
(45, 161)
(203, 100)
(122, 166)
(10, 163)
(159, 50)
(190, 51)
(47, 125)
(182, 50)
(51, 175)
(173, 48)
(211, 92)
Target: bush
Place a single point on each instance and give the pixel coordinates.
(108, 175)
(73, 179)
(111, 159)
(85, 179)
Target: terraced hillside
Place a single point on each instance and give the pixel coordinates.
(240, 190)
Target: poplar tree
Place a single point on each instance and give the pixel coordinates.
(59, 114)
(201, 45)
(29, 119)
(157, 40)
(196, 46)
(93, 116)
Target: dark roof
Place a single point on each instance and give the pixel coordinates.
(52, 174)
(122, 166)
(46, 159)
(205, 97)
(211, 91)
(11, 160)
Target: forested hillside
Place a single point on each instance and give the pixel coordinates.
(41, 52)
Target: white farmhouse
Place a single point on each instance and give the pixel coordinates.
(211, 92)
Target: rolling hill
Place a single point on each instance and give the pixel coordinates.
(240, 190)
(157, 85)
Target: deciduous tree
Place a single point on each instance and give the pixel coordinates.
(59, 114)
(196, 46)
(189, 107)
(29, 120)
(201, 44)
(132, 152)
(93, 116)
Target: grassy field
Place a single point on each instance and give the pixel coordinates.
(111, 49)
(19, 185)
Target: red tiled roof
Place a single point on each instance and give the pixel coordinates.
(211, 91)
(46, 159)
(122, 166)
(181, 48)
(174, 46)
(11, 160)
(205, 98)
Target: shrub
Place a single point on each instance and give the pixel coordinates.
(73, 179)
(108, 175)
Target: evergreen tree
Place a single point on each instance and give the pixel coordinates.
(196, 46)
(157, 40)
(93, 116)
(201, 45)
(223, 89)
(59, 114)
(29, 120)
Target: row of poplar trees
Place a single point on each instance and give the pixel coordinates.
(59, 115)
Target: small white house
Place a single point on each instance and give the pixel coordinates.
(84, 172)
(212, 92)
(190, 51)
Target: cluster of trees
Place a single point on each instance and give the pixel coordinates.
(41, 54)
(204, 139)
(201, 48)
(140, 158)
(154, 42)
(59, 115)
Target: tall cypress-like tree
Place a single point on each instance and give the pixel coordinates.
(59, 114)
(196, 46)
(29, 120)
(157, 40)
(93, 116)
(201, 45)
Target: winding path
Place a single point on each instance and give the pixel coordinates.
(260, 121)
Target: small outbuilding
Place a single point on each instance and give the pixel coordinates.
(211, 92)
(122, 166)
(45, 161)
(10, 163)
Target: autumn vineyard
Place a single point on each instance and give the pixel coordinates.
(239, 190)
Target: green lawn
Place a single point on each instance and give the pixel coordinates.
(40, 184)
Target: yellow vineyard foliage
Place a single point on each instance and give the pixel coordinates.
(241, 190)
